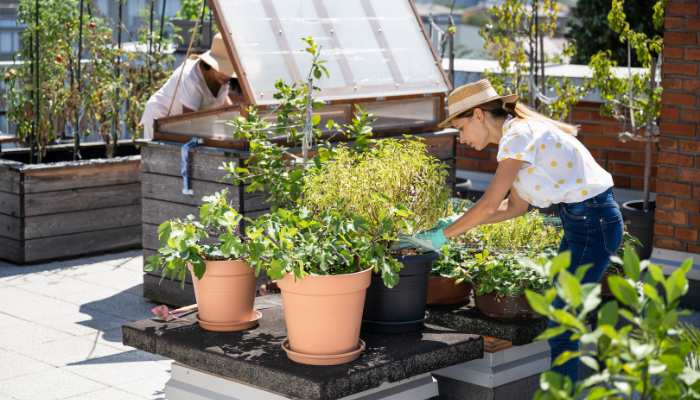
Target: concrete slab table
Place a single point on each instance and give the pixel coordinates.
(468, 319)
(252, 365)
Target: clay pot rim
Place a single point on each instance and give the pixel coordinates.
(322, 276)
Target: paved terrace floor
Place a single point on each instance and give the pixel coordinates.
(60, 335)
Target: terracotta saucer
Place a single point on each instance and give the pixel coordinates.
(316, 359)
(230, 326)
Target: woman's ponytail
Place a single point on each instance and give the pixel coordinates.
(524, 112)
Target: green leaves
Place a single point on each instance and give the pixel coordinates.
(677, 284)
(569, 288)
(623, 291)
(537, 302)
(186, 243)
(631, 264)
(648, 356)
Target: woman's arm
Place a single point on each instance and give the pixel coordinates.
(487, 208)
(513, 206)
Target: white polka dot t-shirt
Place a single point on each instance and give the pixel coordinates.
(557, 167)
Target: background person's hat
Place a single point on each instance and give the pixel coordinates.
(471, 95)
(217, 57)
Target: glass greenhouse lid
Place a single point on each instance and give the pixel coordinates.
(372, 48)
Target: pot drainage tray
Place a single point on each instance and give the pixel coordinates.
(316, 359)
(231, 326)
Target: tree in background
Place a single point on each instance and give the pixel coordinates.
(589, 31)
(515, 37)
(46, 96)
(635, 99)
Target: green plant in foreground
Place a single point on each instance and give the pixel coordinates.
(643, 356)
(191, 242)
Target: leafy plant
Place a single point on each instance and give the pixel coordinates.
(42, 113)
(502, 257)
(643, 356)
(328, 243)
(528, 234)
(389, 173)
(271, 167)
(189, 9)
(634, 100)
(514, 37)
(507, 274)
(191, 242)
(452, 262)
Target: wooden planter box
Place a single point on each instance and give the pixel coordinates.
(163, 199)
(63, 209)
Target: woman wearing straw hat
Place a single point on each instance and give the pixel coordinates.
(201, 82)
(540, 163)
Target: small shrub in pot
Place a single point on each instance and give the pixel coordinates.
(211, 249)
(387, 174)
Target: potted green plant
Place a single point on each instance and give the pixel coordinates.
(185, 22)
(504, 263)
(450, 282)
(500, 282)
(366, 183)
(212, 251)
(323, 264)
(635, 101)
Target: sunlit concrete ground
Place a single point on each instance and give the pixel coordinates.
(60, 335)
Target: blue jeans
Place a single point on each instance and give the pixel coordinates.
(592, 233)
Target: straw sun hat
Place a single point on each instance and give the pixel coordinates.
(217, 57)
(471, 95)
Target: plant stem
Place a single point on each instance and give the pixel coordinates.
(76, 133)
(649, 134)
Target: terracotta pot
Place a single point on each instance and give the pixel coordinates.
(444, 291)
(505, 307)
(225, 296)
(323, 314)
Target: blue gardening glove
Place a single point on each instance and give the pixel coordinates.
(435, 236)
(429, 240)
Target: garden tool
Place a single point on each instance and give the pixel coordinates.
(163, 313)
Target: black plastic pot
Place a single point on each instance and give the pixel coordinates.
(400, 309)
(640, 225)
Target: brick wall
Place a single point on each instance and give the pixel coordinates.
(625, 161)
(678, 201)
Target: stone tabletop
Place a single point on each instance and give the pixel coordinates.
(468, 319)
(255, 357)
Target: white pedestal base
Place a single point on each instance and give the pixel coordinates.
(189, 384)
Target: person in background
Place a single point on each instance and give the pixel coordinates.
(204, 81)
(540, 163)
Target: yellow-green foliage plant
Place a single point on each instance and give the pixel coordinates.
(390, 173)
(529, 233)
